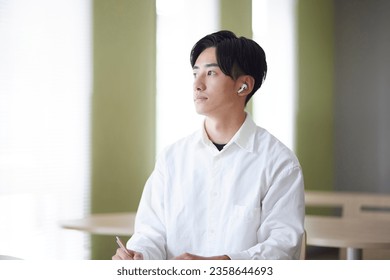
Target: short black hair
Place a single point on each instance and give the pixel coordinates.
(236, 56)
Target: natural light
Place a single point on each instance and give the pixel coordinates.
(177, 32)
(45, 86)
(273, 24)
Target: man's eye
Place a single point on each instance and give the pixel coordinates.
(194, 74)
(210, 73)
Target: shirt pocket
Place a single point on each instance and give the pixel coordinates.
(244, 214)
(242, 228)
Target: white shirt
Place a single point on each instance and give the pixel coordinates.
(246, 201)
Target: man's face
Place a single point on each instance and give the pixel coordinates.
(214, 92)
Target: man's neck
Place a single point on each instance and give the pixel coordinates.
(221, 130)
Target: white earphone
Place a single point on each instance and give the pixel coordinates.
(242, 88)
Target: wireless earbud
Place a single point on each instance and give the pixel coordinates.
(242, 88)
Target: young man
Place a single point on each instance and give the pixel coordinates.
(230, 190)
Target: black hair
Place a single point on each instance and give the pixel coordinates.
(236, 56)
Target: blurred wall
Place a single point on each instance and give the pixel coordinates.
(362, 95)
(315, 92)
(123, 108)
(343, 127)
(236, 16)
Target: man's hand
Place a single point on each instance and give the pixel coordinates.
(188, 256)
(122, 254)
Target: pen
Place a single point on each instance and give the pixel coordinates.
(121, 245)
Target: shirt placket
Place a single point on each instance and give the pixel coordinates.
(214, 204)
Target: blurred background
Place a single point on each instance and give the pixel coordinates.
(92, 90)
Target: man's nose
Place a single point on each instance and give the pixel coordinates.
(199, 84)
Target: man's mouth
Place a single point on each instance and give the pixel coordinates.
(200, 98)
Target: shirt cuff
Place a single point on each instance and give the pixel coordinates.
(240, 256)
(145, 255)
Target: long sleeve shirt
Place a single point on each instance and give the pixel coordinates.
(245, 201)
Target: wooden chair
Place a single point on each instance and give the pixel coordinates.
(353, 205)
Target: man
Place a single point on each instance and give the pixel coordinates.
(230, 190)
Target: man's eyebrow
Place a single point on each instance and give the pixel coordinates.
(212, 65)
(207, 65)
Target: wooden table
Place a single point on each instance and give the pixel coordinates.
(351, 233)
(104, 224)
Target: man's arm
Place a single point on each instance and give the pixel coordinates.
(149, 238)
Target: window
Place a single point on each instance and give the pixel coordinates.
(274, 104)
(180, 24)
(45, 85)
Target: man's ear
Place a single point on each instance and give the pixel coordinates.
(245, 85)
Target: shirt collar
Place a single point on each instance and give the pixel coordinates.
(244, 137)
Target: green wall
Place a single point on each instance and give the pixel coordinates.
(315, 92)
(123, 108)
(236, 16)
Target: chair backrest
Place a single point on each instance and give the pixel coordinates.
(352, 204)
